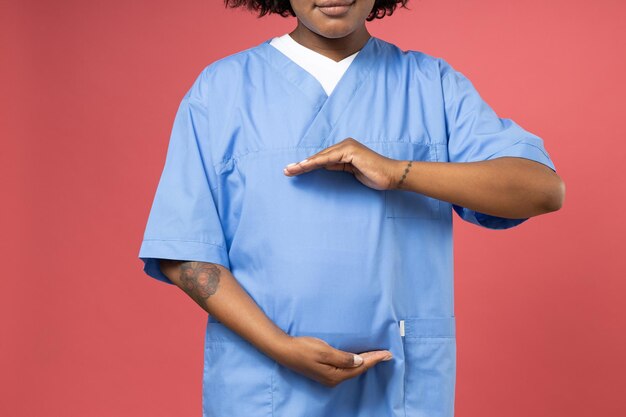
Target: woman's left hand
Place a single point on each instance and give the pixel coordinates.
(370, 168)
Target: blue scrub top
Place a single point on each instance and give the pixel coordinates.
(322, 254)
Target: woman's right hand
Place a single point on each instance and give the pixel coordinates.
(316, 359)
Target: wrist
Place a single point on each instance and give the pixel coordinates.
(400, 169)
(277, 345)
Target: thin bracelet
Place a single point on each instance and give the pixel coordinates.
(406, 170)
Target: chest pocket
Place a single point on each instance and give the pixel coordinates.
(404, 203)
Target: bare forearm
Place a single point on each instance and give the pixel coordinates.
(217, 291)
(506, 187)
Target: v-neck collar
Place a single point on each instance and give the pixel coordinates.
(292, 44)
(328, 108)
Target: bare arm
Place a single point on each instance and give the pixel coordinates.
(506, 187)
(215, 289)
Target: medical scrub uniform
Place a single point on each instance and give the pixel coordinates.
(322, 254)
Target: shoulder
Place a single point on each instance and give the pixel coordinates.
(421, 64)
(222, 76)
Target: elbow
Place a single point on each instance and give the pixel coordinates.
(169, 268)
(554, 195)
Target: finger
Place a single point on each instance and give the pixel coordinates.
(370, 359)
(336, 375)
(341, 359)
(335, 167)
(295, 168)
(345, 167)
(319, 160)
(331, 158)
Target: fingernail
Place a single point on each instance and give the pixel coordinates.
(292, 164)
(388, 358)
(357, 360)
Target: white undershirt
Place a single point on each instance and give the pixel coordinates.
(327, 71)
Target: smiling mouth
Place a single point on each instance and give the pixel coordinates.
(335, 9)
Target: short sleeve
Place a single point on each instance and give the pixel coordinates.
(183, 223)
(476, 133)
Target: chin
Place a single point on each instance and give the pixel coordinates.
(334, 30)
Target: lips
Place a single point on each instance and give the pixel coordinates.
(335, 4)
(335, 8)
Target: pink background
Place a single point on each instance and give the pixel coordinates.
(89, 93)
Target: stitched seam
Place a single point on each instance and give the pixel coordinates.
(279, 70)
(518, 143)
(406, 371)
(202, 158)
(429, 337)
(272, 389)
(234, 158)
(434, 201)
(181, 240)
(348, 102)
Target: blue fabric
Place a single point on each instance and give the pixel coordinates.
(320, 253)
(476, 133)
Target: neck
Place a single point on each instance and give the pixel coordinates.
(333, 48)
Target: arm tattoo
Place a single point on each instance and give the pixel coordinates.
(406, 170)
(200, 280)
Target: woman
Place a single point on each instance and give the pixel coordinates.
(307, 205)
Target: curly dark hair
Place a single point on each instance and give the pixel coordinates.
(283, 8)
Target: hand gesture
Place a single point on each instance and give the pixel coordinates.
(369, 167)
(316, 359)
